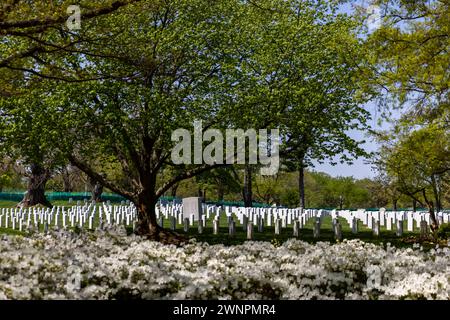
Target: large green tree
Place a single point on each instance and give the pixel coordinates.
(36, 34)
(32, 145)
(410, 55)
(418, 163)
(410, 52)
(161, 65)
(316, 65)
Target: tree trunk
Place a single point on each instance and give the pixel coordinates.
(341, 202)
(301, 185)
(67, 183)
(36, 187)
(436, 193)
(394, 204)
(173, 190)
(220, 192)
(67, 187)
(414, 205)
(247, 191)
(434, 223)
(147, 224)
(96, 190)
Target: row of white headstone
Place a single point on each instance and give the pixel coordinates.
(87, 216)
(92, 216)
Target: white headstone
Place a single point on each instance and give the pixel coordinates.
(389, 223)
(399, 228)
(232, 228)
(338, 231)
(192, 206)
(316, 229)
(250, 231)
(296, 229)
(277, 226)
(215, 226)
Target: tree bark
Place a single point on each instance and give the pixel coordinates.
(414, 205)
(97, 191)
(436, 193)
(173, 190)
(147, 224)
(247, 191)
(301, 186)
(36, 187)
(67, 182)
(220, 192)
(434, 223)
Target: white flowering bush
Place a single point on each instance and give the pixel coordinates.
(111, 265)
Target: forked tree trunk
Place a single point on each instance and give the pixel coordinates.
(36, 187)
(145, 201)
(247, 191)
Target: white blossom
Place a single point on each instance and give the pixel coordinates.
(110, 265)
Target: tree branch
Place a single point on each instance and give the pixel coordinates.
(6, 25)
(102, 180)
(186, 175)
